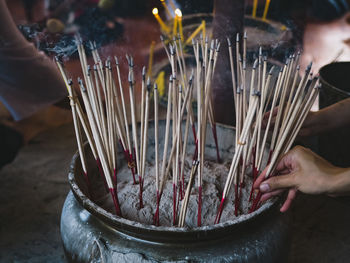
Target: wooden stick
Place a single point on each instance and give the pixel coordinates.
(242, 141)
(134, 128)
(72, 100)
(175, 137)
(156, 142)
(178, 141)
(186, 199)
(144, 140)
(100, 148)
(167, 130)
(164, 46)
(142, 117)
(145, 130)
(185, 142)
(126, 124)
(234, 87)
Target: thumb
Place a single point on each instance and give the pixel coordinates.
(278, 182)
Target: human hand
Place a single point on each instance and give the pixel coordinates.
(300, 170)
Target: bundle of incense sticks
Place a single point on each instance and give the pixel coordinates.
(179, 100)
(106, 123)
(286, 97)
(264, 95)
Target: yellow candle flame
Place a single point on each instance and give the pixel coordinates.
(178, 12)
(155, 11)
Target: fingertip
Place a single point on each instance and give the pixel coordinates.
(265, 197)
(284, 209)
(264, 187)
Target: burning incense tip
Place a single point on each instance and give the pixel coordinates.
(130, 78)
(212, 45)
(172, 51)
(229, 42)
(218, 47)
(127, 58)
(191, 79)
(149, 84)
(255, 64)
(144, 73)
(91, 45)
(308, 68)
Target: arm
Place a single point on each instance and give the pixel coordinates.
(302, 170)
(327, 119)
(330, 118)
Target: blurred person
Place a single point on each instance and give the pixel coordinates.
(29, 85)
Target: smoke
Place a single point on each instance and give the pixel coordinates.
(64, 48)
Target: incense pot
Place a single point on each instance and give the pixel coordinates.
(92, 234)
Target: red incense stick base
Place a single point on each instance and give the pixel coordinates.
(221, 207)
(174, 203)
(141, 192)
(114, 194)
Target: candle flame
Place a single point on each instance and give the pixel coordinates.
(155, 11)
(178, 12)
